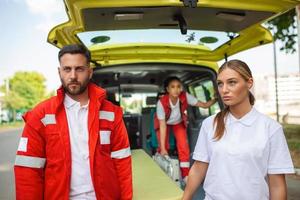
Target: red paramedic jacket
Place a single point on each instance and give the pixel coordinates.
(43, 160)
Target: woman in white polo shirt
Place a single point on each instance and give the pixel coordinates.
(240, 154)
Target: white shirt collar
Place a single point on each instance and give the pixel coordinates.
(176, 104)
(69, 102)
(246, 120)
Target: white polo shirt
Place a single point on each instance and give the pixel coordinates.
(175, 116)
(251, 148)
(81, 181)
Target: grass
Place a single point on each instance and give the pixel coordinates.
(292, 133)
(11, 125)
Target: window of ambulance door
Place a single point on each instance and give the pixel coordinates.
(204, 90)
(135, 102)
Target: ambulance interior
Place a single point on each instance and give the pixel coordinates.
(135, 87)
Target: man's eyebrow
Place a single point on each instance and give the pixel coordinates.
(74, 66)
(81, 66)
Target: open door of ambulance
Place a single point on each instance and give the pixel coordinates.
(224, 26)
(188, 33)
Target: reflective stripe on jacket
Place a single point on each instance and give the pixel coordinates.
(43, 161)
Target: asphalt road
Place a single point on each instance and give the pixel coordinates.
(8, 145)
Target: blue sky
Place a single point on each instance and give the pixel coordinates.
(26, 23)
(24, 28)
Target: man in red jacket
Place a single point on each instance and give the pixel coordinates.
(74, 145)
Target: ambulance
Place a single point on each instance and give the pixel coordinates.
(136, 44)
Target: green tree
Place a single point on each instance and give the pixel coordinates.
(284, 28)
(13, 101)
(26, 89)
(30, 86)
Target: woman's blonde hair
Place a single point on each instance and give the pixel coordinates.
(245, 72)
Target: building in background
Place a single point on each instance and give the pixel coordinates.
(288, 96)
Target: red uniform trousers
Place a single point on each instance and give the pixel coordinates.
(183, 149)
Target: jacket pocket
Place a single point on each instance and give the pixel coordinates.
(53, 150)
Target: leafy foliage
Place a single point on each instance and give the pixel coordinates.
(13, 101)
(26, 89)
(284, 28)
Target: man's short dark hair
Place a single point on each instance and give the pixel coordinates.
(75, 49)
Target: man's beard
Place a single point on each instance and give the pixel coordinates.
(77, 91)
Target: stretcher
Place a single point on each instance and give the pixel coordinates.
(150, 182)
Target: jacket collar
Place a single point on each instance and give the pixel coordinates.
(96, 94)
